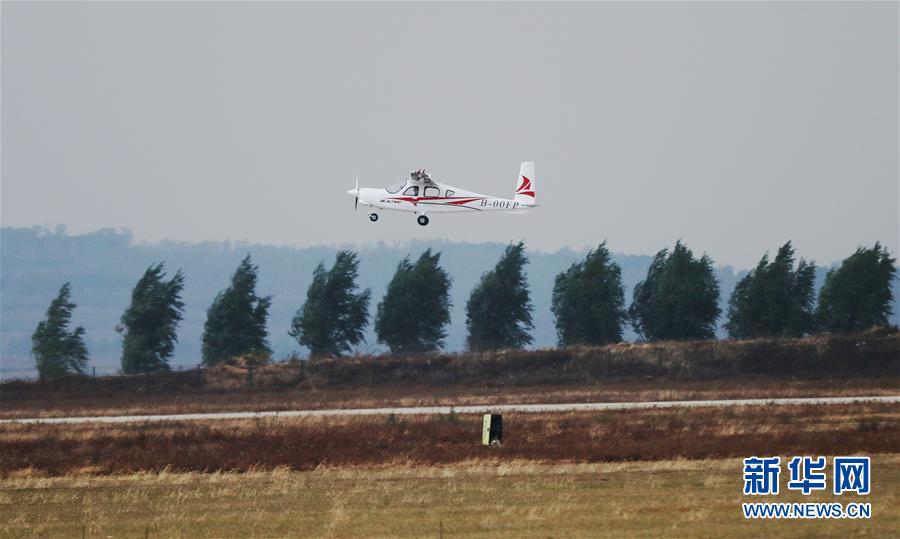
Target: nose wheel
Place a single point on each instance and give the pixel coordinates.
(373, 217)
(422, 220)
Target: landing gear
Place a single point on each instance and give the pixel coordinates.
(422, 220)
(373, 217)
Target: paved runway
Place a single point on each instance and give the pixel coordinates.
(476, 409)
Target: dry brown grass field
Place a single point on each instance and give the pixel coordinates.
(512, 499)
(627, 473)
(305, 397)
(311, 442)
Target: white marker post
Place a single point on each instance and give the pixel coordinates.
(492, 429)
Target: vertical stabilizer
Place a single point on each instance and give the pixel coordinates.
(525, 192)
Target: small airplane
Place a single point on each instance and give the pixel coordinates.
(422, 195)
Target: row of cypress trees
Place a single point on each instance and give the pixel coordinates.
(677, 300)
(415, 311)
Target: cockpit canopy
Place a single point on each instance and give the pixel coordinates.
(416, 179)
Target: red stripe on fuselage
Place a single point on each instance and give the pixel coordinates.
(454, 201)
(463, 201)
(411, 200)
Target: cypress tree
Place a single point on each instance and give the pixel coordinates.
(236, 321)
(57, 350)
(498, 313)
(858, 294)
(773, 299)
(415, 310)
(589, 301)
(678, 300)
(334, 316)
(149, 324)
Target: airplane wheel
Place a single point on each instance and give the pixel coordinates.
(423, 220)
(373, 217)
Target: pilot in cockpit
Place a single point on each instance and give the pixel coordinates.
(420, 176)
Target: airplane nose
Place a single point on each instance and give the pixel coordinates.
(353, 192)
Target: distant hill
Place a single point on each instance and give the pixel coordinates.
(103, 267)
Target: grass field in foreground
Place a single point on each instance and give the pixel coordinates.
(516, 499)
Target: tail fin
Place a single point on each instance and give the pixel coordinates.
(525, 192)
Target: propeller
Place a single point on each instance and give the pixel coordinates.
(356, 198)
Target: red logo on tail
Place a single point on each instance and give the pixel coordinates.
(525, 187)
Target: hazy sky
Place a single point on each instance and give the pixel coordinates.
(735, 126)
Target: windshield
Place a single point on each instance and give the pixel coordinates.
(394, 188)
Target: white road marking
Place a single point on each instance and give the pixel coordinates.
(476, 409)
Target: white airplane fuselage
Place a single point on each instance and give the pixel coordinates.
(421, 195)
(437, 200)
